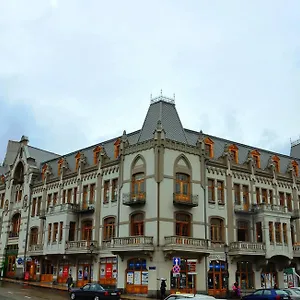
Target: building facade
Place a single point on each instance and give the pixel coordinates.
(125, 211)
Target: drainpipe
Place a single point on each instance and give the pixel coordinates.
(27, 229)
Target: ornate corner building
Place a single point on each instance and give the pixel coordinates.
(119, 212)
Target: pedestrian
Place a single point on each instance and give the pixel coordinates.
(163, 289)
(69, 282)
(236, 290)
(275, 286)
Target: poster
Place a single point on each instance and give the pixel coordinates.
(108, 271)
(114, 271)
(137, 277)
(144, 278)
(102, 270)
(80, 273)
(130, 278)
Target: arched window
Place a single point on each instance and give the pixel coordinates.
(34, 233)
(243, 231)
(183, 224)
(137, 224)
(109, 228)
(209, 147)
(19, 174)
(217, 230)
(256, 158)
(244, 275)
(87, 230)
(234, 151)
(276, 161)
(182, 191)
(138, 186)
(16, 221)
(269, 276)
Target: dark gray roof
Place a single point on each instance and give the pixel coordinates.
(163, 109)
(11, 152)
(3, 170)
(40, 155)
(295, 149)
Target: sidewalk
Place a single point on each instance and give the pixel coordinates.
(62, 287)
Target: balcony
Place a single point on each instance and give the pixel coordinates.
(296, 214)
(243, 209)
(247, 248)
(81, 246)
(13, 235)
(84, 208)
(264, 207)
(130, 244)
(36, 249)
(132, 199)
(186, 244)
(62, 208)
(187, 200)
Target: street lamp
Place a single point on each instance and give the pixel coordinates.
(91, 249)
(226, 248)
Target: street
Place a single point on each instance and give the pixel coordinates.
(14, 291)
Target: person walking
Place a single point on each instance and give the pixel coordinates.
(163, 287)
(70, 282)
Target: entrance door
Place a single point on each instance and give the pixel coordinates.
(217, 278)
(11, 266)
(83, 274)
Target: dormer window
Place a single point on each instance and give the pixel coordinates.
(209, 147)
(44, 169)
(234, 151)
(295, 168)
(97, 151)
(256, 158)
(60, 162)
(77, 160)
(276, 161)
(117, 148)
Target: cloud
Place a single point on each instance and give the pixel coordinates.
(85, 71)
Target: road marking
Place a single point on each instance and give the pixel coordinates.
(10, 292)
(27, 297)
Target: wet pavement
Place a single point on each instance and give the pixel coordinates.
(16, 291)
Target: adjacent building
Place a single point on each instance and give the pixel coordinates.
(124, 212)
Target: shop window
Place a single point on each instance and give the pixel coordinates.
(108, 271)
(34, 233)
(243, 231)
(217, 276)
(209, 147)
(269, 276)
(217, 230)
(185, 281)
(137, 276)
(137, 224)
(182, 187)
(183, 224)
(211, 191)
(237, 194)
(244, 275)
(109, 228)
(87, 230)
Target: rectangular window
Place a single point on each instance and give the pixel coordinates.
(61, 225)
(69, 196)
(289, 202)
(211, 190)
(246, 196)
(216, 231)
(92, 193)
(2, 200)
(208, 150)
(49, 232)
(33, 207)
(285, 236)
(39, 203)
(278, 232)
(220, 186)
(106, 192)
(259, 236)
(271, 196)
(271, 232)
(85, 196)
(55, 232)
(257, 195)
(114, 190)
(19, 195)
(281, 199)
(49, 199)
(237, 194)
(64, 197)
(75, 196)
(55, 196)
(72, 231)
(264, 196)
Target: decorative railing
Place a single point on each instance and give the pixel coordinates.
(36, 248)
(13, 234)
(64, 207)
(186, 199)
(296, 248)
(132, 241)
(81, 245)
(186, 241)
(268, 208)
(134, 198)
(247, 246)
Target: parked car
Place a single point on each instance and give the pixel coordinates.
(94, 291)
(294, 293)
(180, 296)
(268, 294)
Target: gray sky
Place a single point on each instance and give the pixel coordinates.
(73, 73)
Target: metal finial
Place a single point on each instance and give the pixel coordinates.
(174, 96)
(161, 92)
(150, 96)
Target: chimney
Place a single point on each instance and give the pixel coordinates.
(24, 140)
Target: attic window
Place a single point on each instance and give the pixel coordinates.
(97, 151)
(117, 148)
(60, 162)
(295, 167)
(276, 161)
(77, 159)
(44, 169)
(234, 151)
(209, 147)
(256, 158)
